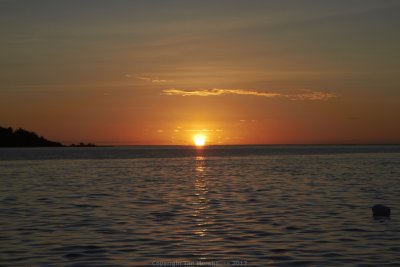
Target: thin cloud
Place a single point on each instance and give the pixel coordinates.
(147, 79)
(153, 80)
(304, 95)
(162, 81)
(204, 130)
(313, 96)
(216, 92)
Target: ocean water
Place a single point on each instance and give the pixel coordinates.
(217, 206)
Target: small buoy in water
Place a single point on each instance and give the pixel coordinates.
(380, 211)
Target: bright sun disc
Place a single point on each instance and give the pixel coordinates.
(199, 139)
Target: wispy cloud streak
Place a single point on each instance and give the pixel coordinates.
(302, 95)
(153, 80)
(216, 91)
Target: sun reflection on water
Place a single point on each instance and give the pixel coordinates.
(200, 203)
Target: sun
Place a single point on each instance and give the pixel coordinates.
(199, 140)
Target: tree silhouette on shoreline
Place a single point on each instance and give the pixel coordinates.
(24, 138)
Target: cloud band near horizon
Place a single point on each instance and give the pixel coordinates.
(302, 95)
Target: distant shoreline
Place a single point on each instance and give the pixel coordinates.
(206, 147)
(23, 138)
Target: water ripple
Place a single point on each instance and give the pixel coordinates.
(262, 210)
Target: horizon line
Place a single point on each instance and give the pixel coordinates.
(248, 144)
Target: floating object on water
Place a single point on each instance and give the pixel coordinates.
(380, 211)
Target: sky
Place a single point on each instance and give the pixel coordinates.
(152, 72)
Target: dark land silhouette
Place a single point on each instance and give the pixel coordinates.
(83, 145)
(24, 138)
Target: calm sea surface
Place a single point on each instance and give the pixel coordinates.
(220, 206)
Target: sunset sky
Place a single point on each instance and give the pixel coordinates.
(240, 72)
